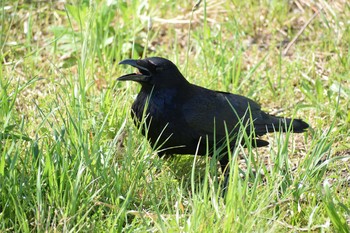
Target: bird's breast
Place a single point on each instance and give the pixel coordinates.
(156, 104)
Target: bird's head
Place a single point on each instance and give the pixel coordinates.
(153, 71)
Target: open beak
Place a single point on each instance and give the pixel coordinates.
(142, 76)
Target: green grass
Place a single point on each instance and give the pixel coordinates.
(71, 159)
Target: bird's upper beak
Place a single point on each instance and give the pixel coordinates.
(143, 75)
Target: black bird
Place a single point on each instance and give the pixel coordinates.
(182, 118)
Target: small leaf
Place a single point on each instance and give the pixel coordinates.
(69, 62)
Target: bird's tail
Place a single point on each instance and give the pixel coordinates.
(287, 124)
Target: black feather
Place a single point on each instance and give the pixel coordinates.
(183, 118)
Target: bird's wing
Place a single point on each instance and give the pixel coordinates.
(207, 106)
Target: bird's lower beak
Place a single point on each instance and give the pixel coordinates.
(142, 76)
(134, 77)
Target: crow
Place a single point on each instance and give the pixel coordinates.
(178, 117)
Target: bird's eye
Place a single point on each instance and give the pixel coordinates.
(152, 65)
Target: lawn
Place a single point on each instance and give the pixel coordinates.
(71, 159)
